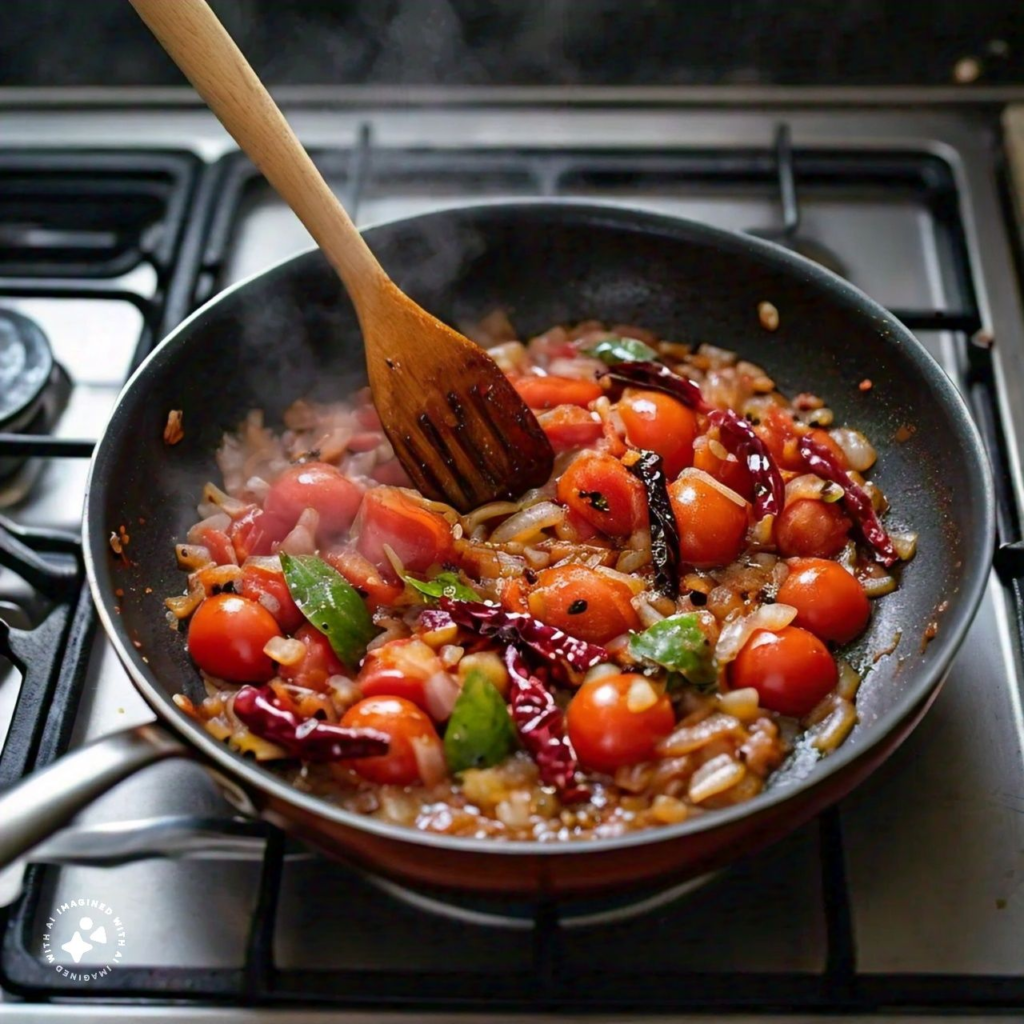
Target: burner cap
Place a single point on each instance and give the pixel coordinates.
(26, 363)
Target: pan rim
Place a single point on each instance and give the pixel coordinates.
(625, 218)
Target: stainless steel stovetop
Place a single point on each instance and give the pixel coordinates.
(933, 843)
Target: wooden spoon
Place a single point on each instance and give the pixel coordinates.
(458, 426)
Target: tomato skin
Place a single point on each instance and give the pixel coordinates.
(731, 472)
(226, 638)
(604, 732)
(419, 537)
(569, 426)
(319, 664)
(514, 595)
(257, 581)
(711, 525)
(257, 532)
(828, 600)
(220, 547)
(402, 722)
(659, 423)
(400, 668)
(365, 577)
(547, 392)
(791, 670)
(316, 485)
(608, 611)
(599, 478)
(811, 529)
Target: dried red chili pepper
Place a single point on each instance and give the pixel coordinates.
(664, 530)
(310, 739)
(822, 461)
(516, 627)
(739, 438)
(540, 723)
(737, 435)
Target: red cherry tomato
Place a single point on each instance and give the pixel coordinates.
(731, 472)
(419, 537)
(547, 392)
(828, 600)
(812, 529)
(220, 547)
(659, 423)
(319, 486)
(256, 532)
(569, 426)
(791, 670)
(400, 668)
(583, 602)
(269, 588)
(319, 664)
(405, 725)
(226, 638)
(780, 433)
(600, 490)
(712, 525)
(605, 733)
(365, 577)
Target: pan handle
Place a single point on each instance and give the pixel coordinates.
(35, 808)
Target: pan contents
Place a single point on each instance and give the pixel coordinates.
(644, 638)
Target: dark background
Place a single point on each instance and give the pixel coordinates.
(537, 42)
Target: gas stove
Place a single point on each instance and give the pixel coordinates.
(119, 218)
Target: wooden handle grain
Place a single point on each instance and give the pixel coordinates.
(199, 44)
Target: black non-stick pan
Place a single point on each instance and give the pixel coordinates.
(291, 332)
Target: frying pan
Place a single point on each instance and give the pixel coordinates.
(290, 332)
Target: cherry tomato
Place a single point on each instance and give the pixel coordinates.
(319, 664)
(419, 537)
(404, 724)
(400, 668)
(256, 532)
(547, 392)
(514, 595)
(226, 638)
(319, 486)
(220, 547)
(569, 426)
(828, 600)
(269, 588)
(812, 529)
(605, 733)
(365, 577)
(712, 525)
(601, 491)
(731, 472)
(791, 670)
(660, 424)
(781, 433)
(583, 602)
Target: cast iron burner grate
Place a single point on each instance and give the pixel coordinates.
(53, 655)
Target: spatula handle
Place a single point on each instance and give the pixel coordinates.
(199, 44)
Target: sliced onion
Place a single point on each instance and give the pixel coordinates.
(215, 496)
(736, 633)
(302, 539)
(272, 563)
(526, 526)
(856, 447)
(635, 584)
(429, 756)
(491, 510)
(440, 692)
(218, 521)
(699, 474)
(803, 487)
(192, 556)
(577, 368)
(284, 650)
(743, 704)
(878, 586)
(649, 615)
(182, 607)
(714, 777)
(849, 679)
(258, 487)
(688, 738)
(833, 729)
(270, 602)
(905, 544)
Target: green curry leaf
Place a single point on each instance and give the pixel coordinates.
(480, 731)
(680, 645)
(612, 350)
(444, 584)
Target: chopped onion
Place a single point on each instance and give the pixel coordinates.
(641, 696)
(272, 563)
(192, 556)
(526, 526)
(649, 615)
(805, 486)
(284, 650)
(577, 368)
(302, 539)
(714, 777)
(699, 474)
(634, 583)
(429, 756)
(736, 633)
(878, 586)
(218, 521)
(905, 544)
(605, 668)
(182, 607)
(742, 704)
(270, 602)
(688, 738)
(511, 356)
(849, 679)
(491, 510)
(831, 732)
(856, 447)
(215, 496)
(440, 692)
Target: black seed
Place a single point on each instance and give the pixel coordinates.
(578, 607)
(531, 576)
(216, 589)
(698, 598)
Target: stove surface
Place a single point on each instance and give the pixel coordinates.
(931, 848)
